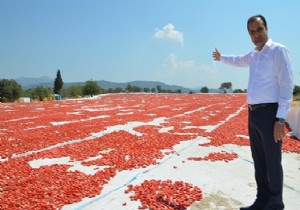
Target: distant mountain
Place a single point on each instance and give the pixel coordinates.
(143, 84)
(152, 84)
(27, 82)
(48, 82)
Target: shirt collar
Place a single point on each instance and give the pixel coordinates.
(267, 45)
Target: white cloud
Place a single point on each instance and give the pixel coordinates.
(172, 61)
(169, 32)
(187, 73)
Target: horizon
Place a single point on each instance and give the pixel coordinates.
(133, 81)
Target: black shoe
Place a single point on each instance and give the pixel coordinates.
(255, 206)
(272, 207)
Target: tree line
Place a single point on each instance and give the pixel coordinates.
(11, 91)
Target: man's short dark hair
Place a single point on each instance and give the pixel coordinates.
(253, 18)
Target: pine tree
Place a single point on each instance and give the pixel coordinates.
(58, 83)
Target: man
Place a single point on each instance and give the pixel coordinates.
(269, 96)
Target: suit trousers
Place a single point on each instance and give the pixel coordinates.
(266, 154)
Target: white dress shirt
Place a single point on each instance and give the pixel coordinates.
(270, 78)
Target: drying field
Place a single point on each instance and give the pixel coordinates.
(133, 151)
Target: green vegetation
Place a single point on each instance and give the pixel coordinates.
(240, 91)
(296, 96)
(226, 86)
(41, 93)
(58, 83)
(10, 90)
(74, 91)
(91, 88)
(296, 90)
(204, 89)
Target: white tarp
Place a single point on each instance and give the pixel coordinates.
(24, 99)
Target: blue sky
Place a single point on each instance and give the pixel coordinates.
(170, 41)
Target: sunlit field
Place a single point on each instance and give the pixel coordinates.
(296, 101)
(132, 151)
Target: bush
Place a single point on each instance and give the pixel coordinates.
(10, 90)
(296, 90)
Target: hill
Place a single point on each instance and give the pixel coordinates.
(45, 81)
(28, 83)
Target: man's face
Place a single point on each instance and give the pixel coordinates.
(258, 33)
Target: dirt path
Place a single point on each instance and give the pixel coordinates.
(295, 103)
(217, 201)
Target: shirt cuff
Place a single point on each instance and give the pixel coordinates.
(282, 113)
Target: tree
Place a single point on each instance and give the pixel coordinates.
(10, 90)
(226, 86)
(158, 87)
(118, 90)
(27, 93)
(146, 90)
(110, 90)
(73, 91)
(238, 91)
(136, 89)
(204, 89)
(91, 88)
(296, 90)
(58, 83)
(129, 88)
(40, 93)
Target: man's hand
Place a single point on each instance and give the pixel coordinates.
(216, 55)
(279, 131)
